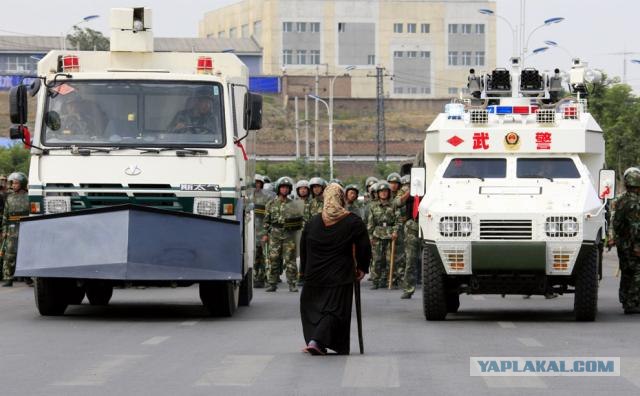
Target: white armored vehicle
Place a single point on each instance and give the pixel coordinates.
(514, 196)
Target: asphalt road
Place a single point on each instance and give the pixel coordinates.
(159, 341)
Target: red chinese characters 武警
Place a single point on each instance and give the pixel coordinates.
(480, 141)
(543, 140)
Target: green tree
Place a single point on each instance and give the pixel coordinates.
(14, 159)
(88, 40)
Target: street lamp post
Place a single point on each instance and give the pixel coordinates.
(537, 51)
(486, 11)
(547, 22)
(83, 20)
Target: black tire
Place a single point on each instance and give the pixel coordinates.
(453, 302)
(219, 298)
(75, 294)
(99, 292)
(246, 289)
(585, 303)
(434, 298)
(51, 299)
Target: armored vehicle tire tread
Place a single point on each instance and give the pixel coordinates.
(246, 289)
(99, 293)
(51, 299)
(434, 299)
(218, 297)
(585, 303)
(453, 302)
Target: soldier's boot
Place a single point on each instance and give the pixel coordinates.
(271, 288)
(293, 288)
(258, 284)
(8, 283)
(406, 295)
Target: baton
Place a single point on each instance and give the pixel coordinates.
(393, 254)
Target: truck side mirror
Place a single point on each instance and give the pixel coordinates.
(252, 112)
(18, 106)
(607, 184)
(418, 181)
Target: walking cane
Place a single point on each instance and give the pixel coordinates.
(356, 294)
(393, 254)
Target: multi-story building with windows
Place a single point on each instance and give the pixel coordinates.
(428, 46)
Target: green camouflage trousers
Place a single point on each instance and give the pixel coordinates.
(259, 267)
(399, 262)
(10, 251)
(411, 252)
(381, 261)
(373, 275)
(282, 257)
(629, 292)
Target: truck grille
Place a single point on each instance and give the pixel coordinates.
(505, 230)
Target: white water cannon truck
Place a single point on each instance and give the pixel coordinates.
(515, 192)
(138, 172)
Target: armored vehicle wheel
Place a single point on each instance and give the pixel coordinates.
(219, 298)
(434, 298)
(75, 294)
(585, 303)
(246, 289)
(453, 302)
(51, 299)
(99, 292)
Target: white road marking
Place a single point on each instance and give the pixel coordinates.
(190, 322)
(156, 340)
(630, 370)
(507, 325)
(236, 370)
(530, 342)
(371, 372)
(100, 373)
(514, 382)
(478, 298)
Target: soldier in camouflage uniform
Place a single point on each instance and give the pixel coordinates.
(303, 194)
(371, 199)
(394, 181)
(258, 202)
(280, 226)
(411, 238)
(626, 224)
(15, 208)
(317, 185)
(383, 224)
(352, 204)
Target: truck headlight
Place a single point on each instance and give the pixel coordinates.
(455, 226)
(54, 205)
(207, 206)
(561, 226)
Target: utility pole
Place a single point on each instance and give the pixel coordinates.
(295, 102)
(381, 138)
(317, 116)
(306, 127)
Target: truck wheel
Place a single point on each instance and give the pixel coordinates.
(246, 289)
(51, 299)
(434, 298)
(453, 302)
(219, 298)
(99, 292)
(75, 294)
(585, 303)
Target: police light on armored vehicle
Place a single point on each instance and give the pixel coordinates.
(514, 191)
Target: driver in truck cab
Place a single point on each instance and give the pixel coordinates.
(198, 116)
(82, 118)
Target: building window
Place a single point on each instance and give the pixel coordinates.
(301, 27)
(397, 28)
(466, 58)
(480, 28)
(398, 90)
(314, 27)
(412, 54)
(412, 90)
(466, 28)
(287, 27)
(425, 90)
(245, 31)
(398, 54)
(425, 54)
(222, 34)
(342, 27)
(301, 57)
(453, 91)
(453, 28)
(314, 57)
(480, 58)
(371, 60)
(453, 58)
(232, 32)
(287, 57)
(425, 28)
(411, 28)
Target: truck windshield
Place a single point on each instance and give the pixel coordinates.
(134, 113)
(547, 168)
(476, 168)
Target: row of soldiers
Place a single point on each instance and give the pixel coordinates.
(14, 204)
(386, 209)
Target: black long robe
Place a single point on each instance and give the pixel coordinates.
(326, 262)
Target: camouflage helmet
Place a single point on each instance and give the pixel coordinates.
(284, 181)
(19, 177)
(383, 185)
(370, 181)
(337, 181)
(393, 178)
(317, 181)
(266, 179)
(352, 187)
(632, 177)
(258, 178)
(302, 183)
(406, 179)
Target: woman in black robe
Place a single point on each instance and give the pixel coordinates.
(328, 245)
